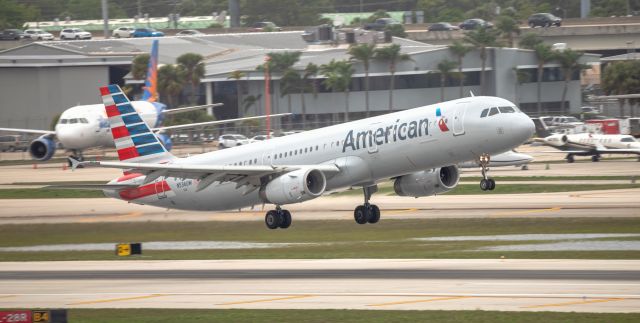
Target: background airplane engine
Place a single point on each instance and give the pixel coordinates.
(42, 148)
(165, 140)
(557, 140)
(427, 182)
(294, 187)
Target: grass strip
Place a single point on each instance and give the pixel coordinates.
(47, 193)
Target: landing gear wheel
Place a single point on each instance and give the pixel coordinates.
(570, 159)
(361, 214)
(286, 219)
(492, 184)
(484, 184)
(595, 158)
(374, 214)
(273, 219)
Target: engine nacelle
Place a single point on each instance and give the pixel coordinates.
(42, 148)
(165, 140)
(557, 140)
(294, 187)
(427, 182)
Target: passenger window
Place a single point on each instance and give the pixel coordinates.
(493, 111)
(507, 110)
(484, 113)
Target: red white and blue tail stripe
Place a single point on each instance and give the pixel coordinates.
(133, 139)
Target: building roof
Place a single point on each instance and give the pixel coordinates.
(624, 57)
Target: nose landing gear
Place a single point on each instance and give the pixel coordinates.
(367, 213)
(486, 183)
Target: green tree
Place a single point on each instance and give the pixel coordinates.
(396, 30)
(170, 83)
(237, 76)
(508, 27)
(529, 41)
(364, 53)
(308, 82)
(139, 66)
(621, 78)
(290, 83)
(444, 68)
(285, 12)
(92, 9)
(569, 63)
(544, 54)
(338, 78)
(391, 54)
(459, 49)
(193, 66)
(15, 15)
(482, 38)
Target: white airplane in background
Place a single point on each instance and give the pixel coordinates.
(587, 144)
(86, 126)
(507, 158)
(418, 148)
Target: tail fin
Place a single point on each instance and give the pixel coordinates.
(151, 82)
(134, 141)
(541, 129)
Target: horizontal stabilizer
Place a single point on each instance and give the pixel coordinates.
(193, 108)
(217, 122)
(36, 131)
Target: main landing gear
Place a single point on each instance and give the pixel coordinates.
(486, 183)
(367, 213)
(278, 218)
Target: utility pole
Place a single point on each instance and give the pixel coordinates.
(267, 95)
(105, 18)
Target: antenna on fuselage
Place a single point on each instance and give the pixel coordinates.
(471, 93)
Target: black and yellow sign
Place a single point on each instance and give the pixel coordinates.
(128, 249)
(41, 316)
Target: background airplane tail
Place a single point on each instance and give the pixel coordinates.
(541, 129)
(133, 139)
(151, 82)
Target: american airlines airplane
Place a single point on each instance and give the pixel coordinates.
(86, 126)
(417, 148)
(588, 144)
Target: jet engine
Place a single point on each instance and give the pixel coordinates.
(42, 148)
(427, 182)
(557, 140)
(294, 187)
(165, 140)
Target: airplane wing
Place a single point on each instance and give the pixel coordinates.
(206, 174)
(40, 132)
(212, 123)
(193, 108)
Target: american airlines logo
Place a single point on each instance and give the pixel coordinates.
(383, 135)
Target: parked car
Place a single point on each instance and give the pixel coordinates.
(544, 20)
(190, 32)
(38, 34)
(442, 26)
(232, 140)
(12, 34)
(146, 32)
(474, 23)
(74, 33)
(380, 24)
(258, 138)
(12, 143)
(264, 26)
(123, 32)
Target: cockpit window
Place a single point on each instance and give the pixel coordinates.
(507, 110)
(493, 111)
(84, 120)
(63, 121)
(74, 120)
(484, 113)
(627, 139)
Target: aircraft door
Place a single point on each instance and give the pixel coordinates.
(458, 118)
(161, 187)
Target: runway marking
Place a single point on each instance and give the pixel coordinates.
(577, 302)
(8, 296)
(420, 301)
(557, 208)
(267, 300)
(116, 299)
(387, 212)
(112, 217)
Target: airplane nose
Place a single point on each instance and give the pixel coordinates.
(523, 128)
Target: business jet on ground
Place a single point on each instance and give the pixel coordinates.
(86, 126)
(507, 158)
(587, 144)
(417, 148)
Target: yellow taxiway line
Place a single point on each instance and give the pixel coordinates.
(420, 301)
(577, 302)
(527, 212)
(116, 299)
(266, 300)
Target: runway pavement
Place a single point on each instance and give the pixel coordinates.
(390, 284)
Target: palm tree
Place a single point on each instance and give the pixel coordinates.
(460, 50)
(238, 75)
(338, 78)
(392, 55)
(569, 63)
(529, 41)
(278, 63)
(364, 53)
(614, 81)
(508, 27)
(544, 54)
(445, 67)
(170, 82)
(139, 66)
(482, 38)
(309, 72)
(289, 84)
(193, 67)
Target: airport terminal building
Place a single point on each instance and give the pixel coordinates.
(40, 80)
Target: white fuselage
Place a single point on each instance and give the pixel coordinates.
(366, 152)
(607, 141)
(87, 126)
